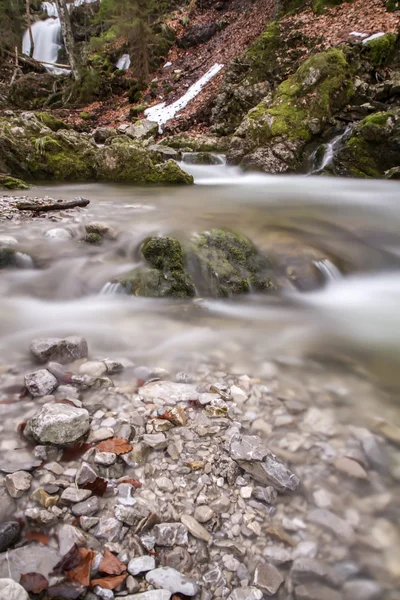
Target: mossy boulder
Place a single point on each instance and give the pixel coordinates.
(12, 183)
(381, 50)
(373, 147)
(52, 122)
(298, 111)
(197, 143)
(321, 6)
(225, 263)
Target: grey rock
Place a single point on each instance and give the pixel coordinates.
(93, 368)
(11, 590)
(85, 475)
(151, 595)
(203, 513)
(125, 494)
(108, 529)
(88, 522)
(67, 536)
(103, 593)
(40, 383)
(246, 593)
(316, 591)
(9, 534)
(221, 504)
(376, 454)
(31, 558)
(59, 350)
(87, 507)
(141, 564)
(309, 570)
(18, 460)
(168, 391)
(178, 558)
(105, 459)
(165, 152)
(170, 534)
(362, 589)
(267, 578)
(132, 585)
(267, 495)
(248, 447)
(277, 555)
(172, 580)
(194, 527)
(157, 441)
(72, 495)
(328, 520)
(58, 424)
(100, 434)
(142, 129)
(101, 134)
(18, 483)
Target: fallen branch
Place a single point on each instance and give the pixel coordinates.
(49, 204)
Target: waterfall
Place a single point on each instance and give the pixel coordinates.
(50, 9)
(328, 270)
(124, 62)
(329, 150)
(111, 289)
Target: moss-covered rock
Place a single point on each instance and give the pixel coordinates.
(320, 6)
(52, 122)
(299, 109)
(197, 143)
(380, 50)
(373, 147)
(12, 183)
(227, 264)
(93, 238)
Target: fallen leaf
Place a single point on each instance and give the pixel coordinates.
(75, 451)
(109, 583)
(37, 536)
(136, 484)
(111, 565)
(116, 445)
(68, 562)
(34, 582)
(81, 573)
(98, 486)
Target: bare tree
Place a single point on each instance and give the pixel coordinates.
(68, 36)
(29, 22)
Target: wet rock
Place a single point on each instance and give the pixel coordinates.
(172, 580)
(40, 383)
(93, 368)
(362, 589)
(59, 350)
(316, 591)
(203, 513)
(85, 475)
(105, 459)
(267, 494)
(178, 558)
(9, 534)
(58, 424)
(142, 129)
(108, 529)
(141, 564)
(248, 447)
(68, 536)
(328, 520)
(43, 498)
(100, 434)
(132, 585)
(18, 483)
(194, 527)
(11, 590)
(246, 593)
(31, 558)
(168, 391)
(308, 570)
(157, 441)
(87, 507)
(267, 578)
(350, 467)
(72, 495)
(171, 534)
(57, 234)
(278, 555)
(88, 522)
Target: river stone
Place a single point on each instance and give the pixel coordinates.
(18, 483)
(93, 368)
(31, 558)
(108, 529)
(350, 467)
(267, 578)
(57, 234)
(168, 391)
(172, 580)
(142, 129)
(58, 424)
(248, 447)
(151, 595)
(72, 495)
(87, 507)
(203, 513)
(316, 591)
(309, 570)
(40, 383)
(171, 534)
(11, 590)
(19, 460)
(328, 520)
(246, 593)
(9, 534)
(105, 459)
(194, 527)
(178, 558)
(85, 475)
(141, 564)
(362, 589)
(7, 505)
(59, 350)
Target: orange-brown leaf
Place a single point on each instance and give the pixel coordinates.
(111, 565)
(81, 573)
(34, 582)
(116, 445)
(37, 536)
(136, 484)
(98, 486)
(109, 583)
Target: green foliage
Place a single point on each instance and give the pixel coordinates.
(11, 22)
(11, 183)
(320, 6)
(380, 50)
(85, 116)
(262, 56)
(392, 5)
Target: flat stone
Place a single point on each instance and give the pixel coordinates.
(68, 536)
(362, 589)
(141, 564)
(59, 350)
(267, 578)
(31, 558)
(85, 475)
(271, 472)
(195, 528)
(203, 513)
(350, 467)
(248, 447)
(40, 383)
(73, 495)
(169, 392)
(178, 558)
(11, 590)
(277, 555)
(18, 460)
(108, 529)
(87, 507)
(88, 522)
(58, 424)
(267, 494)
(309, 570)
(170, 534)
(172, 580)
(105, 459)
(328, 520)
(151, 595)
(316, 591)
(246, 593)
(93, 368)
(100, 434)
(157, 441)
(9, 534)
(18, 483)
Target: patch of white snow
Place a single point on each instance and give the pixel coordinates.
(358, 34)
(161, 113)
(124, 62)
(373, 37)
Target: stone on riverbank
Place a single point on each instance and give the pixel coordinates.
(58, 424)
(9, 534)
(59, 350)
(11, 590)
(40, 383)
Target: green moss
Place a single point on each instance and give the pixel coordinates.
(381, 49)
(52, 122)
(85, 116)
(93, 238)
(358, 157)
(379, 118)
(262, 56)
(320, 6)
(163, 253)
(11, 183)
(46, 144)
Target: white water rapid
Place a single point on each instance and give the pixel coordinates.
(329, 150)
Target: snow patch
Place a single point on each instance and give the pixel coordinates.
(124, 62)
(161, 113)
(373, 37)
(358, 34)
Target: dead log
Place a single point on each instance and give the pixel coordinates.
(48, 204)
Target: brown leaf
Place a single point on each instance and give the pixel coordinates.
(116, 445)
(81, 573)
(75, 451)
(98, 486)
(109, 583)
(37, 536)
(34, 582)
(136, 484)
(68, 562)
(111, 565)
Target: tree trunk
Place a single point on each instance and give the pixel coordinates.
(68, 36)
(28, 19)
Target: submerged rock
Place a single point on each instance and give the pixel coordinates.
(40, 383)
(9, 534)
(59, 350)
(172, 580)
(58, 424)
(31, 558)
(12, 183)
